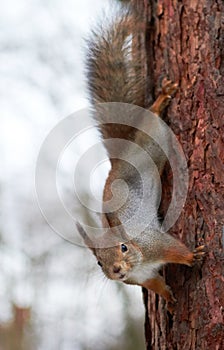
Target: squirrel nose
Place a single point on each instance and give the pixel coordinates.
(116, 268)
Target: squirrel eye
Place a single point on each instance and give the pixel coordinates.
(124, 248)
(99, 263)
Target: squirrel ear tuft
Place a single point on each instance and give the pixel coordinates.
(81, 231)
(84, 236)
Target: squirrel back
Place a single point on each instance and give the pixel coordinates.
(116, 72)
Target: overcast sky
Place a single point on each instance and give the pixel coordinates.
(42, 81)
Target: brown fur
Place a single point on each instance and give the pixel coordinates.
(116, 73)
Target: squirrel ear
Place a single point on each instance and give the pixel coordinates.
(85, 237)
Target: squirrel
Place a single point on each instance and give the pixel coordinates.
(116, 73)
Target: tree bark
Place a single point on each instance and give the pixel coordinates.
(185, 41)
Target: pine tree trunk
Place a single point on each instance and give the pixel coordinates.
(185, 41)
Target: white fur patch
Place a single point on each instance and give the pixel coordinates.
(143, 272)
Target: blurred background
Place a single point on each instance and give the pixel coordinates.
(52, 293)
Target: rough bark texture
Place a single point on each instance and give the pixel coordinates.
(185, 41)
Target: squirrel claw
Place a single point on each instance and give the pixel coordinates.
(171, 301)
(199, 253)
(171, 305)
(168, 87)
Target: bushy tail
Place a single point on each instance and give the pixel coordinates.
(114, 63)
(116, 66)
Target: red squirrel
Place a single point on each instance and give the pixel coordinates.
(116, 74)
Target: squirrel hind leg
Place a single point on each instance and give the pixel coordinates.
(158, 285)
(168, 89)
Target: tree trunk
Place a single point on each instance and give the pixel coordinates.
(185, 41)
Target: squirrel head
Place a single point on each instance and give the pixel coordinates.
(117, 262)
(115, 252)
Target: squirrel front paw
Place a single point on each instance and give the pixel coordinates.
(199, 253)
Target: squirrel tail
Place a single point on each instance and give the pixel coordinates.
(115, 62)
